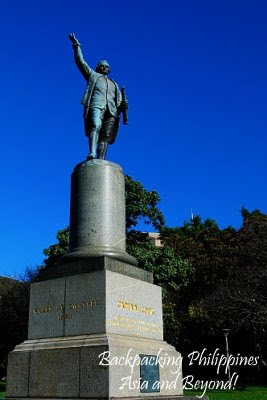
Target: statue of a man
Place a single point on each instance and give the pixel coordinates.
(102, 102)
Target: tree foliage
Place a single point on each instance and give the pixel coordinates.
(227, 287)
(14, 309)
(141, 204)
(244, 292)
(206, 247)
(57, 250)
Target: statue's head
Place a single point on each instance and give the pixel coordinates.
(102, 67)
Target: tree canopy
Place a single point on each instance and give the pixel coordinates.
(14, 309)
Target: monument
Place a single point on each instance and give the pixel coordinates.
(95, 322)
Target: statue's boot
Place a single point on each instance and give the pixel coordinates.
(102, 150)
(93, 139)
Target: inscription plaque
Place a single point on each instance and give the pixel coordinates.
(149, 372)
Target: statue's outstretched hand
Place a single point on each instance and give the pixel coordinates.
(73, 39)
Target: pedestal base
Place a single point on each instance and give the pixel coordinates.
(94, 367)
(95, 335)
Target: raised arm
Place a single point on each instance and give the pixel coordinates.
(78, 57)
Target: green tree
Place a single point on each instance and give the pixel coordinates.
(207, 248)
(14, 309)
(240, 302)
(245, 289)
(141, 204)
(227, 287)
(57, 250)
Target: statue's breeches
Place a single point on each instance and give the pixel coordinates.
(101, 121)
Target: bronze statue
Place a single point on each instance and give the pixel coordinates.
(103, 102)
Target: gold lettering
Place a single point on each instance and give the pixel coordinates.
(61, 308)
(64, 317)
(90, 303)
(134, 325)
(147, 310)
(134, 307)
(127, 306)
(42, 310)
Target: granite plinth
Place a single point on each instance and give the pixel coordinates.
(77, 368)
(96, 302)
(97, 213)
(96, 264)
(75, 322)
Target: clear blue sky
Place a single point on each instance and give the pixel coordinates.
(195, 74)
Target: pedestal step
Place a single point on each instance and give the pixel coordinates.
(94, 367)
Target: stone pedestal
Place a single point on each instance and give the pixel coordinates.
(75, 319)
(97, 213)
(95, 322)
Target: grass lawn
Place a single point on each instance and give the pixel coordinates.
(249, 393)
(2, 389)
